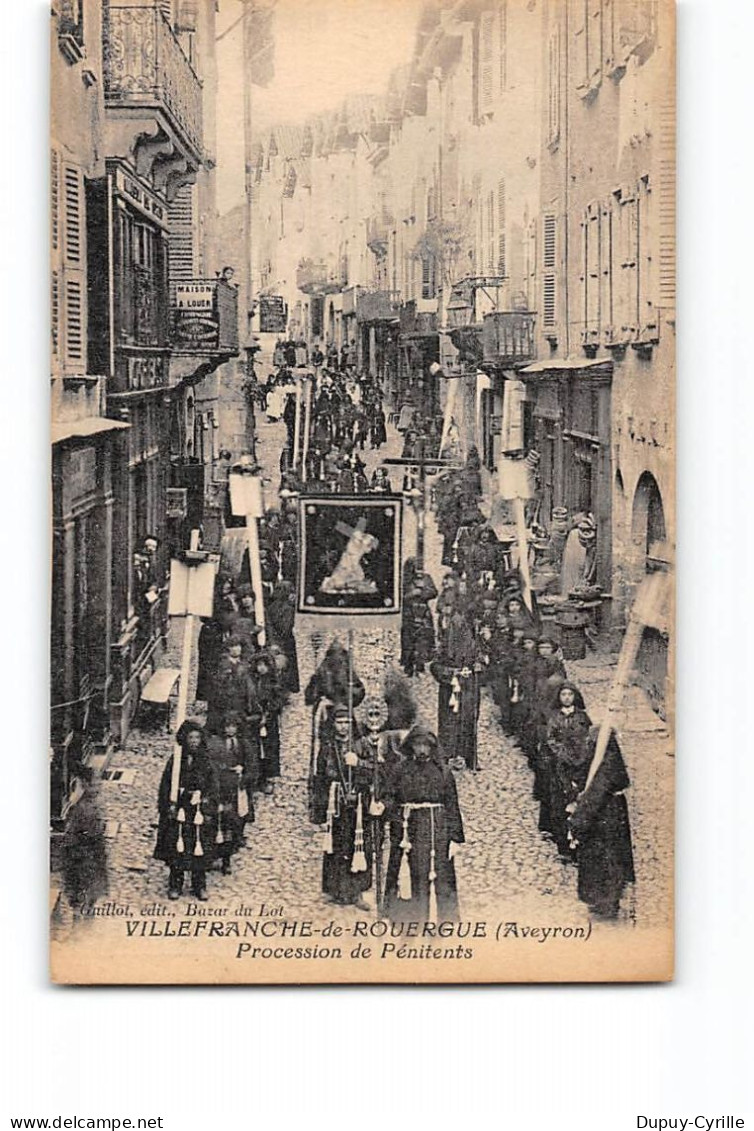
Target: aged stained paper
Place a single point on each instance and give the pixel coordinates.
(363, 371)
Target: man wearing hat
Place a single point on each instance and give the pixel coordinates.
(343, 787)
(426, 828)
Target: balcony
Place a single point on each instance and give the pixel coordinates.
(508, 338)
(378, 232)
(204, 317)
(318, 278)
(148, 75)
(378, 306)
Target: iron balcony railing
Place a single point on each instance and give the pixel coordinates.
(145, 67)
(508, 337)
(378, 306)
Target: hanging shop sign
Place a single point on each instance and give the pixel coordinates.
(176, 503)
(273, 314)
(350, 554)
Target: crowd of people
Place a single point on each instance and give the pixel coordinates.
(382, 786)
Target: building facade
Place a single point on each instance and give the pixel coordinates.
(141, 321)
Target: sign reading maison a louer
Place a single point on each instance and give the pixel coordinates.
(195, 296)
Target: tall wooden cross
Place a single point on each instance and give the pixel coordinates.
(422, 462)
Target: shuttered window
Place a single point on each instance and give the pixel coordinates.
(627, 285)
(491, 256)
(74, 323)
(55, 314)
(503, 38)
(54, 200)
(501, 230)
(590, 272)
(73, 187)
(646, 265)
(72, 292)
(549, 271)
(530, 257)
(488, 26)
(665, 207)
(181, 247)
(607, 316)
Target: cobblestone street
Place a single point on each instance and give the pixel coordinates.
(505, 862)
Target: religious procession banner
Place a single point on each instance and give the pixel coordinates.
(350, 554)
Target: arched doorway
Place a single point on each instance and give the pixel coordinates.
(647, 520)
(647, 529)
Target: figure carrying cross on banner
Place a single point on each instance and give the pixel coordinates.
(348, 575)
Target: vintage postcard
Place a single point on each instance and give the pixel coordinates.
(363, 491)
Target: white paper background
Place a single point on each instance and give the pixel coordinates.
(519, 1057)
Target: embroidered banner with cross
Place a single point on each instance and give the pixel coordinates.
(350, 554)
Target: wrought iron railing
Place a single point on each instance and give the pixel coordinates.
(508, 337)
(378, 306)
(145, 66)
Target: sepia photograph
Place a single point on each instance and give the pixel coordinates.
(363, 499)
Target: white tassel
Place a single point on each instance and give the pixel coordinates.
(180, 847)
(220, 839)
(327, 845)
(198, 822)
(432, 871)
(359, 860)
(455, 695)
(404, 872)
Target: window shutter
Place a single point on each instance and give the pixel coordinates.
(646, 264)
(55, 314)
(549, 268)
(54, 200)
(665, 207)
(73, 290)
(491, 233)
(531, 266)
(593, 271)
(487, 27)
(73, 187)
(503, 35)
(629, 255)
(181, 247)
(74, 323)
(501, 230)
(606, 268)
(55, 257)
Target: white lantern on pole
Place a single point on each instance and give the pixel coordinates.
(247, 499)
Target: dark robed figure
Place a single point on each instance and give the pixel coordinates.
(425, 825)
(343, 794)
(457, 672)
(187, 828)
(599, 826)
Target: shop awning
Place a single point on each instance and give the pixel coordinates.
(82, 429)
(602, 367)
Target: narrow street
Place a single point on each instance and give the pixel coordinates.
(505, 862)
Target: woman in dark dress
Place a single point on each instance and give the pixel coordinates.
(417, 625)
(187, 828)
(234, 766)
(600, 829)
(565, 758)
(281, 617)
(425, 828)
